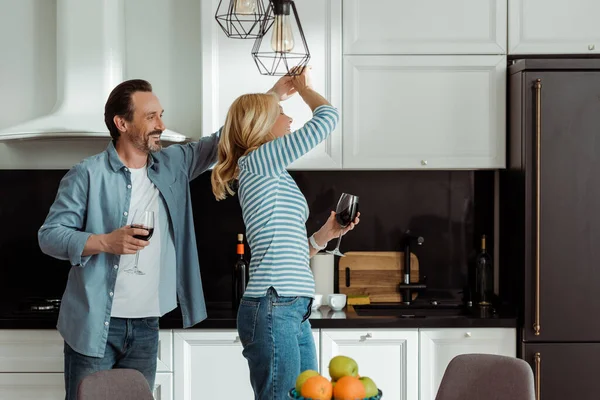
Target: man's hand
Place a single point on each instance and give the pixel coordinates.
(121, 241)
(283, 88)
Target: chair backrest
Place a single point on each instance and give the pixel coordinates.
(486, 377)
(114, 384)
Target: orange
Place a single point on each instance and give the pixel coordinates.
(349, 388)
(316, 388)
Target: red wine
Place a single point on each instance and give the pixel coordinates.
(346, 216)
(143, 237)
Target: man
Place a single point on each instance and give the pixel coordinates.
(109, 316)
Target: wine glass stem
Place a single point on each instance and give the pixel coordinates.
(339, 241)
(137, 256)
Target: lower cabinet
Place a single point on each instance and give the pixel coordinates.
(564, 370)
(32, 366)
(209, 364)
(389, 356)
(438, 346)
(406, 364)
(32, 386)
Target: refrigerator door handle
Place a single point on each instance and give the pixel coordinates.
(538, 377)
(538, 133)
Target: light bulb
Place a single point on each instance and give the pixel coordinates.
(245, 7)
(282, 40)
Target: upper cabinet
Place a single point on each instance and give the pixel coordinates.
(424, 112)
(229, 71)
(425, 27)
(553, 27)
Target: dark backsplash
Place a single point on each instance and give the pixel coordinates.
(450, 209)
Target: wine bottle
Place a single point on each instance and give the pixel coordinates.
(484, 276)
(240, 273)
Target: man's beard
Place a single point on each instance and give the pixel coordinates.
(148, 143)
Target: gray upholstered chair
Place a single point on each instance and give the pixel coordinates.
(486, 377)
(114, 384)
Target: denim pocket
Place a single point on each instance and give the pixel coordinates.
(246, 320)
(285, 301)
(152, 323)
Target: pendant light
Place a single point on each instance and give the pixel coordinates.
(282, 49)
(243, 19)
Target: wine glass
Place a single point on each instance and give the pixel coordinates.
(345, 213)
(142, 219)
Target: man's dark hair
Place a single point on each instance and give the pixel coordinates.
(119, 103)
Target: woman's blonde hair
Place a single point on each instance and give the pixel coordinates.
(247, 126)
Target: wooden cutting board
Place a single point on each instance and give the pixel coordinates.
(376, 273)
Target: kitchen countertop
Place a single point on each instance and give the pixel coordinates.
(225, 318)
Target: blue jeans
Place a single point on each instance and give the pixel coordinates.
(132, 343)
(278, 342)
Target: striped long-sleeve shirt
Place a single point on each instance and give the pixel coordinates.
(275, 211)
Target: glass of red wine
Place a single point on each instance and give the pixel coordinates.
(142, 219)
(345, 213)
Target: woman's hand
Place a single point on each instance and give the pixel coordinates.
(283, 88)
(331, 229)
(302, 81)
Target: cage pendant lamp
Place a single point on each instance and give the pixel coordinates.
(282, 50)
(243, 19)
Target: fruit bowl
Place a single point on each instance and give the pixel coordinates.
(296, 396)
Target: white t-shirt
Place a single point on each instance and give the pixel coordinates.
(138, 296)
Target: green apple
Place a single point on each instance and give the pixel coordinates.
(370, 386)
(340, 366)
(303, 377)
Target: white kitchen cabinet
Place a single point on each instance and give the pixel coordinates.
(45, 386)
(32, 365)
(163, 386)
(439, 346)
(209, 364)
(389, 356)
(424, 112)
(26, 350)
(425, 27)
(553, 27)
(229, 71)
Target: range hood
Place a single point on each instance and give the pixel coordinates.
(90, 43)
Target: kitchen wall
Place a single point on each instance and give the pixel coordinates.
(450, 209)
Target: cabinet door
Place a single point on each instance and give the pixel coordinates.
(209, 364)
(425, 27)
(163, 386)
(439, 346)
(569, 185)
(424, 112)
(564, 370)
(553, 27)
(389, 357)
(45, 386)
(31, 351)
(42, 351)
(229, 71)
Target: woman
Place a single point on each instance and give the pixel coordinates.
(255, 148)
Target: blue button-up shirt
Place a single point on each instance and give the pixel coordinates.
(93, 198)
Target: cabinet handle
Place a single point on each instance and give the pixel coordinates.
(538, 138)
(538, 377)
(423, 162)
(365, 337)
(237, 339)
(467, 334)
